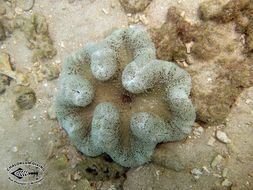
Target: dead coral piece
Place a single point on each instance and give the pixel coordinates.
(25, 97)
(216, 161)
(38, 39)
(45, 71)
(134, 6)
(4, 81)
(2, 32)
(100, 168)
(6, 69)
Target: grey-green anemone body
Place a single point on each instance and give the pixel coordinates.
(103, 134)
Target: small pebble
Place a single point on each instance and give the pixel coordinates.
(58, 61)
(62, 44)
(225, 172)
(188, 47)
(222, 136)
(105, 11)
(18, 10)
(198, 131)
(216, 161)
(77, 176)
(248, 101)
(211, 141)
(14, 149)
(205, 169)
(226, 183)
(196, 172)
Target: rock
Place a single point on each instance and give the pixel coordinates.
(222, 136)
(226, 183)
(61, 162)
(14, 149)
(216, 161)
(25, 97)
(225, 172)
(172, 162)
(134, 6)
(77, 176)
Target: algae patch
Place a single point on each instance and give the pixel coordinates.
(212, 40)
(134, 6)
(238, 11)
(36, 32)
(170, 38)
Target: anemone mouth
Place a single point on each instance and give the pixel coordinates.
(113, 91)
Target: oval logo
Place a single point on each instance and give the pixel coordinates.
(27, 172)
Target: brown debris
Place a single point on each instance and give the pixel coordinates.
(170, 39)
(134, 6)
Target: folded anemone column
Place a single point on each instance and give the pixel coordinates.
(104, 134)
